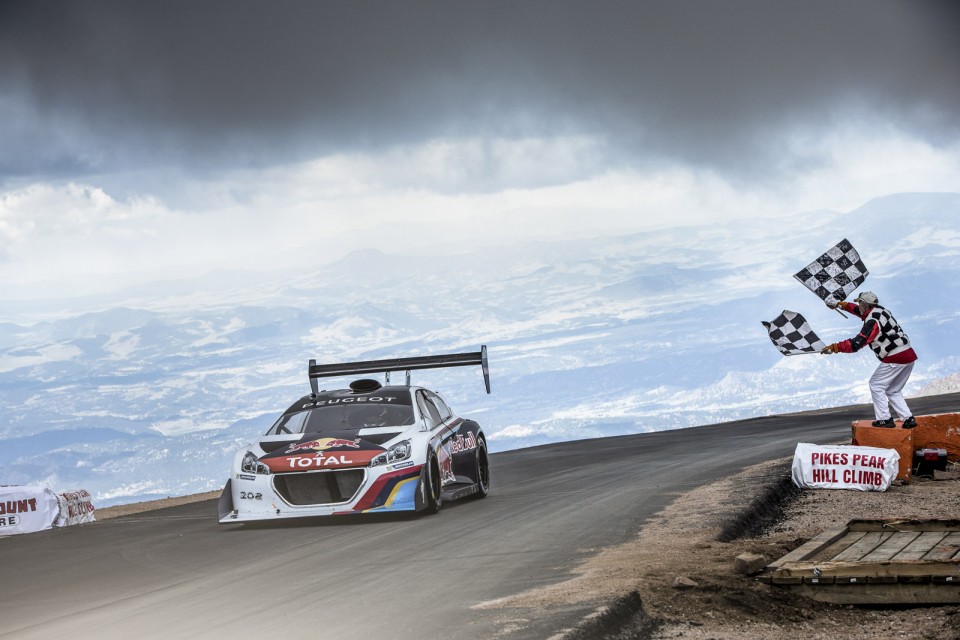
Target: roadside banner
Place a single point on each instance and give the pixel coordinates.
(76, 507)
(27, 508)
(844, 467)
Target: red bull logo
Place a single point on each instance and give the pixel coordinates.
(322, 444)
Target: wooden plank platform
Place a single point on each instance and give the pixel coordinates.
(875, 562)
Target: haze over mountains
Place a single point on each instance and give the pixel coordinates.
(148, 392)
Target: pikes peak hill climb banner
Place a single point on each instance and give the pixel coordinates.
(844, 467)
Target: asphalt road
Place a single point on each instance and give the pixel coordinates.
(176, 573)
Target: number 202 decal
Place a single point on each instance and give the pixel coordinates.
(250, 495)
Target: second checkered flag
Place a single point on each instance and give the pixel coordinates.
(791, 334)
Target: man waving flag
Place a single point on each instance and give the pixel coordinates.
(889, 342)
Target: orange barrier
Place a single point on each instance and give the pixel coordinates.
(899, 439)
(941, 431)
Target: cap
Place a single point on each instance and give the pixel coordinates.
(867, 297)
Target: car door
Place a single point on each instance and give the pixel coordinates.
(458, 441)
(437, 415)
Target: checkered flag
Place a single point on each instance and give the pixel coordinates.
(791, 334)
(836, 274)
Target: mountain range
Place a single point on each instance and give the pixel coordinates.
(146, 392)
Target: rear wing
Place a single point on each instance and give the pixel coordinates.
(316, 371)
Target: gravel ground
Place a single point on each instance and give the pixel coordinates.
(727, 605)
(681, 544)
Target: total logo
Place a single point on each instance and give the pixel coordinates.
(319, 460)
(308, 459)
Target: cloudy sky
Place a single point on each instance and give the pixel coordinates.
(145, 140)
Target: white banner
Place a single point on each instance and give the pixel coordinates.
(76, 507)
(844, 467)
(27, 508)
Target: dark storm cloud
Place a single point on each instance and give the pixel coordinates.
(102, 86)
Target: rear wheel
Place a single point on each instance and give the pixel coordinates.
(431, 482)
(483, 469)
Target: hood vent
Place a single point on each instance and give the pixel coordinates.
(380, 438)
(272, 445)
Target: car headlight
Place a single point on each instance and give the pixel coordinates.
(250, 464)
(396, 453)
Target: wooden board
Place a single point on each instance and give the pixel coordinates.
(892, 546)
(875, 562)
(946, 549)
(880, 594)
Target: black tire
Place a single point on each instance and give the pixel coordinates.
(483, 469)
(431, 481)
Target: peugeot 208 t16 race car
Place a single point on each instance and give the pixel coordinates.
(368, 448)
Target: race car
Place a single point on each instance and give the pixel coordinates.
(369, 448)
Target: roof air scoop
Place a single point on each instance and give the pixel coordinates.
(364, 385)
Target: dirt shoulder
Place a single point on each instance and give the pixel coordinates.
(727, 605)
(139, 507)
(681, 542)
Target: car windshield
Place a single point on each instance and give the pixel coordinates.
(335, 417)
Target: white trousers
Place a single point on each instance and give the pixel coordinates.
(886, 388)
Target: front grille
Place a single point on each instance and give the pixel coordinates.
(319, 487)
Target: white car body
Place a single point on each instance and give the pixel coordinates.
(369, 448)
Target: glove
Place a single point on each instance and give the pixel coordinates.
(830, 348)
(835, 304)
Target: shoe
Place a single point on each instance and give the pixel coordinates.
(889, 424)
(909, 423)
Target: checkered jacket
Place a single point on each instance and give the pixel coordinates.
(882, 332)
